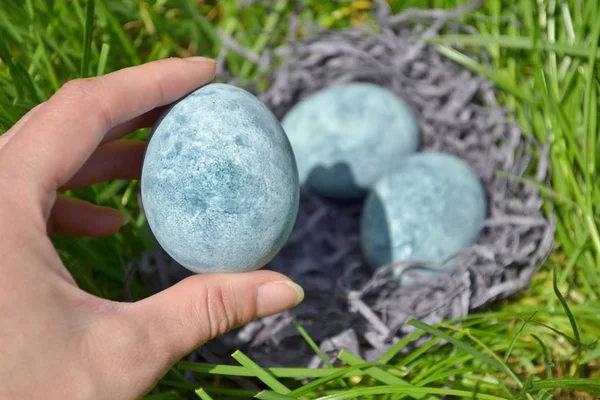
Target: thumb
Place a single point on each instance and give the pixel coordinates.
(167, 326)
(202, 307)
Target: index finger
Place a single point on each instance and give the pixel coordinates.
(51, 147)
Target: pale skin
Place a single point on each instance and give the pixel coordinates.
(57, 341)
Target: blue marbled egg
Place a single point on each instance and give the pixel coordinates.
(347, 137)
(428, 210)
(219, 181)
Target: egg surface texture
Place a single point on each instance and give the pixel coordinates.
(429, 209)
(347, 137)
(219, 181)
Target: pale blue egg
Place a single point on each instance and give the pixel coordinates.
(219, 182)
(428, 210)
(347, 137)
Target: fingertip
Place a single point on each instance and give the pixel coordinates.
(75, 217)
(299, 293)
(200, 59)
(125, 219)
(205, 62)
(120, 159)
(274, 297)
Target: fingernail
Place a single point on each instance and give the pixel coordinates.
(274, 297)
(126, 219)
(201, 59)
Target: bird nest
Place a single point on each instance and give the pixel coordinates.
(346, 305)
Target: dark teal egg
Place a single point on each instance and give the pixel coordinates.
(347, 137)
(219, 181)
(429, 209)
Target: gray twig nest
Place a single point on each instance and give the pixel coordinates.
(346, 306)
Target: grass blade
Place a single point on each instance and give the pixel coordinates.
(408, 390)
(471, 64)
(126, 43)
(20, 77)
(178, 384)
(445, 374)
(395, 349)
(565, 306)
(301, 391)
(375, 372)
(203, 395)
(103, 59)
(234, 370)
(87, 38)
(311, 343)
(461, 345)
(557, 332)
(266, 36)
(548, 360)
(591, 356)
(419, 351)
(582, 384)
(230, 393)
(511, 42)
(260, 373)
(266, 395)
(314, 347)
(517, 335)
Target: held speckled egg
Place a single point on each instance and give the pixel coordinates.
(429, 209)
(347, 137)
(219, 181)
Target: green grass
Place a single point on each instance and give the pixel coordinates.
(543, 57)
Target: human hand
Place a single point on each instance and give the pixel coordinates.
(57, 341)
